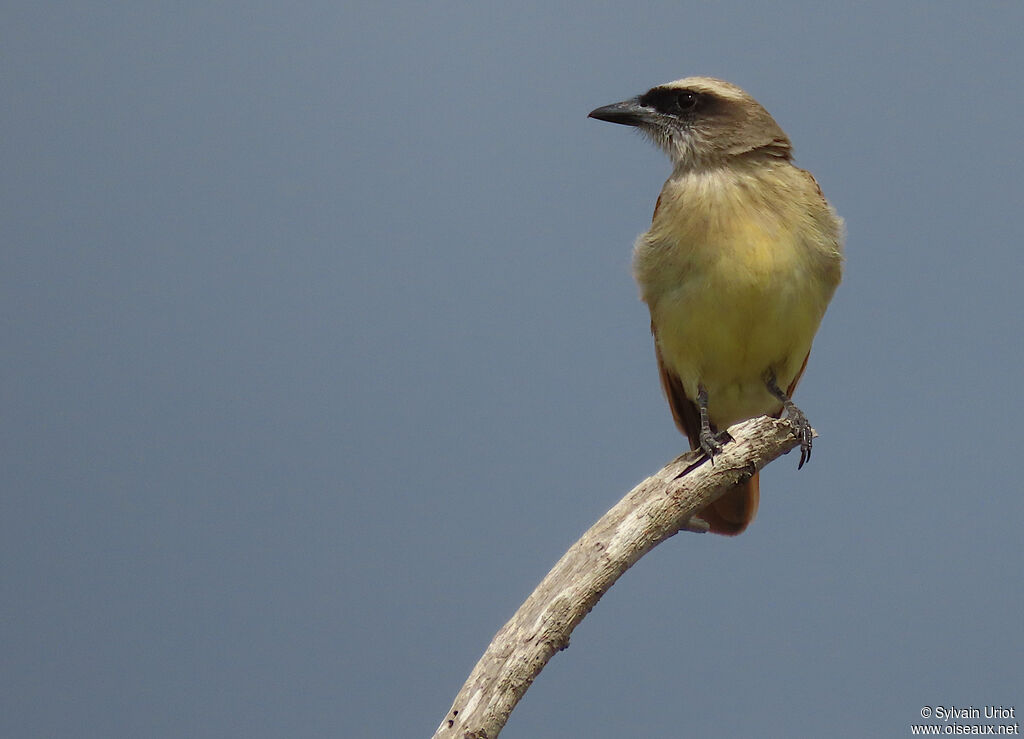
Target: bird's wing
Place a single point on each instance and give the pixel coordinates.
(684, 410)
(792, 385)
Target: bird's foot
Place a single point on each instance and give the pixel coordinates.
(712, 443)
(801, 426)
(802, 430)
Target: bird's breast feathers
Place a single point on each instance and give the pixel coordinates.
(737, 269)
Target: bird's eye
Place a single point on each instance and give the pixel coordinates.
(686, 101)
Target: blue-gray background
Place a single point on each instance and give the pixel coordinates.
(320, 346)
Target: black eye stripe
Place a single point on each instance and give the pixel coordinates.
(672, 101)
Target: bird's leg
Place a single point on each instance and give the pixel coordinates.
(710, 444)
(804, 432)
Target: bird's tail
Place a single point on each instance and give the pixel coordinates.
(734, 511)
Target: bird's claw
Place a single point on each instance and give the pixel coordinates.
(802, 431)
(801, 426)
(711, 443)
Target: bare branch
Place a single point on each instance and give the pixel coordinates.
(654, 510)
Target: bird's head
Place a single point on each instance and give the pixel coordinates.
(700, 121)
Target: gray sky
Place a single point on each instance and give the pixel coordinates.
(321, 347)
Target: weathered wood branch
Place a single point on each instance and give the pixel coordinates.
(654, 510)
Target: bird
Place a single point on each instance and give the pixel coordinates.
(741, 260)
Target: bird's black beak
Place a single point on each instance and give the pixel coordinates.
(628, 113)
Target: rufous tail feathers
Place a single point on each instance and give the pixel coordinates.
(734, 511)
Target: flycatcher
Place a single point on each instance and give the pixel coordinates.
(741, 260)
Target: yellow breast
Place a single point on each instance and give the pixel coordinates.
(735, 270)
